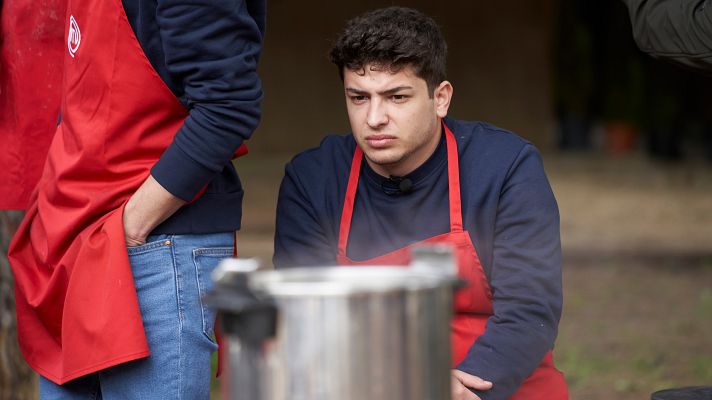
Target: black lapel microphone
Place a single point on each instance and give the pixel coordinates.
(405, 185)
(396, 184)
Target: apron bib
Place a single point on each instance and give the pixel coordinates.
(473, 304)
(77, 308)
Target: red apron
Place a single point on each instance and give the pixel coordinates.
(473, 304)
(31, 37)
(77, 308)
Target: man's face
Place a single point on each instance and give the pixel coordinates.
(394, 120)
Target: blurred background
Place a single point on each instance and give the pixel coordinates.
(627, 145)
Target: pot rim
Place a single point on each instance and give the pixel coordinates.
(345, 281)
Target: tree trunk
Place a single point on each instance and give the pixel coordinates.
(17, 380)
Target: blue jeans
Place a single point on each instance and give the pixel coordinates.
(171, 273)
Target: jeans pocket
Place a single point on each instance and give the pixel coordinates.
(153, 242)
(206, 259)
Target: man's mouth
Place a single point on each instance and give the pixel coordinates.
(380, 141)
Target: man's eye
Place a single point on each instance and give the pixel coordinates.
(358, 99)
(399, 98)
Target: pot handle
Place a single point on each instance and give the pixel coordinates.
(243, 313)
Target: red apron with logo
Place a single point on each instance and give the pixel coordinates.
(473, 304)
(32, 36)
(77, 308)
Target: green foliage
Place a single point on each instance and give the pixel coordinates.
(705, 303)
(581, 367)
(702, 368)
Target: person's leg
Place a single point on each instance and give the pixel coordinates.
(84, 388)
(171, 273)
(198, 257)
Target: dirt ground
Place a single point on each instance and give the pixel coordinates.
(637, 240)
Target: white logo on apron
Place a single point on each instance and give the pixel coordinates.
(74, 37)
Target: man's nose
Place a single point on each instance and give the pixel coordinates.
(377, 115)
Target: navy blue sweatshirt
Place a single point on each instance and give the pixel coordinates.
(206, 51)
(508, 209)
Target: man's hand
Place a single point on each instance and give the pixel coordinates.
(148, 207)
(460, 383)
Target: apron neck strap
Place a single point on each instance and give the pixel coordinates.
(453, 172)
(348, 210)
(453, 175)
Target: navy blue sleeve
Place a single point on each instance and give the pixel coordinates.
(212, 47)
(525, 279)
(300, 240)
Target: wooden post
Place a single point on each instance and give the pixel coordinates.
(17, 380)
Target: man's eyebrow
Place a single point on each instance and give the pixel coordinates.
(385, 92)
(395, 90)
(356, 91)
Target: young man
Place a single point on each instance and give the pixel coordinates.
(138, 200)
(428, 178)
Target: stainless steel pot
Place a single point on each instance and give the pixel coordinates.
(350, 333)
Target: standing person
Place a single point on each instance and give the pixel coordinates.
(138, 200)
(428, 178)
(677, 30)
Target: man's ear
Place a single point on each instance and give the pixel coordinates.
(442, 97)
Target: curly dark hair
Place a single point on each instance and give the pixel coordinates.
(393, 38)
